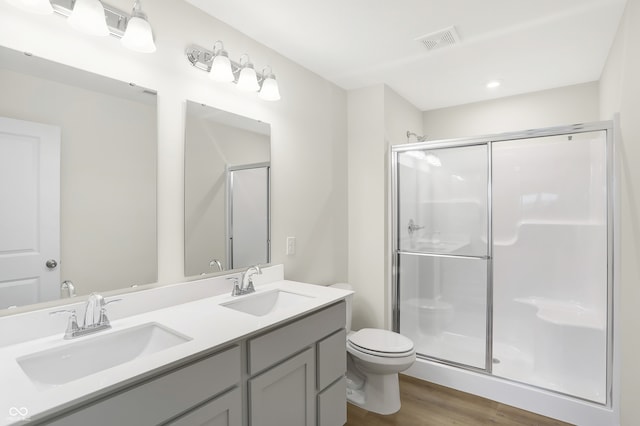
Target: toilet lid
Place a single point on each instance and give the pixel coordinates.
(383, 341)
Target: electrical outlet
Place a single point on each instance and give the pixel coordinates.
(291, 246)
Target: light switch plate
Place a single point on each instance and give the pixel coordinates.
(291, 246)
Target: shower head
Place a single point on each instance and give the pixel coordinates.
(418, 137)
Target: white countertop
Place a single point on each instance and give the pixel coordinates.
(208, 324)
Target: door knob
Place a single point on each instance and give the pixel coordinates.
(51, 264)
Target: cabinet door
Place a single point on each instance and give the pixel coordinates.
(332, 358)
(285, 394)
(222, 411)
(332, 404)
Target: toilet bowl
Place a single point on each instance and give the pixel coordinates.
(374, 359)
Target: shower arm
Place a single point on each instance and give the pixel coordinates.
(418, 137)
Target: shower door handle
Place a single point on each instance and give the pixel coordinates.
(413, 227)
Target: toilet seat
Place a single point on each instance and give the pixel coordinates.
(380, 343)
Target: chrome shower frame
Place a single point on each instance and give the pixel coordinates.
(612, 237)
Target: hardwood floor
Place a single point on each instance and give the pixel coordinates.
(427, 404)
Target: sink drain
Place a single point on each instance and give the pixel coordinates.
(495, 361)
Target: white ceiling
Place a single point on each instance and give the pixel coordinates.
(528, 45)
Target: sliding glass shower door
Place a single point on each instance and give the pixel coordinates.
(443, 251)
(503, 256)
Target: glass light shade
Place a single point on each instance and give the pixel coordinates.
(221, 68)
(248, 79)
(269, 91)
(138, 36)
(88, 16)
(40, 7)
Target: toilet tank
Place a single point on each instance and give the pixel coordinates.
(348, 299)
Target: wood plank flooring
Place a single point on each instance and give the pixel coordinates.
(428, 404)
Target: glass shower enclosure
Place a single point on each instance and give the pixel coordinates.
(502, 255)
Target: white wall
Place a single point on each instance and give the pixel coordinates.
(554, 107)
(107, 182)
(378, 117)
(366, 205)
(620, 92)
(308, 126)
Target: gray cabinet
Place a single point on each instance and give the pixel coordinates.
(332, 407)
(160, 399)
(225, 410)
(290, 375)
(285, 394)
(332, 386)
(306, 389)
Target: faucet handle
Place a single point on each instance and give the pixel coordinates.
(72, 325)
(236, 287)
(250, 288)
(104, 320)
(67, 289)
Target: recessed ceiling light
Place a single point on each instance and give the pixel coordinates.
(493, 84)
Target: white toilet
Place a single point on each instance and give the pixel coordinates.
(374, 359)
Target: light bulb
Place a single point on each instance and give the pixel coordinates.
(221, 68)
(40, 7)
(269, 90)
(88, 17)
(138, 35)
(248, 79)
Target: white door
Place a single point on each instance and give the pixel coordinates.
(29, 212)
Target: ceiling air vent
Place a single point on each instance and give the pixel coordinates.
(439, 39)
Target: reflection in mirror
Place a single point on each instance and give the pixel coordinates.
(227, 159)
(78, 171)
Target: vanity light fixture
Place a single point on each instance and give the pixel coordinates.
(97, 18)
(248, 79)
(269, 90)
(88, 17)
(493, 84)
(138, 36)
(220, 68)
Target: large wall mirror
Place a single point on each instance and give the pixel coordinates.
(227, 164)
(78, 166)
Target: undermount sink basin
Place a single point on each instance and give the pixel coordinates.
(260, 304)
(90, 355)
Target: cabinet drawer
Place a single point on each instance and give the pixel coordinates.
(332, 404)
(225, 410)
(158, 400)
(332, 358)
(279, 344)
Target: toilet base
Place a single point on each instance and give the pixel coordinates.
(380, 394)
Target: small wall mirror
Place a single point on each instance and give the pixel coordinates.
(78, 159)
(227, 168)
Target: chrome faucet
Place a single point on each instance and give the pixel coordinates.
(95, 317)
(94, 304)
(67, 289)
(246, 285)
(217, 263)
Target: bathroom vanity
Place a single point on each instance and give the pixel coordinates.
(274, 357)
